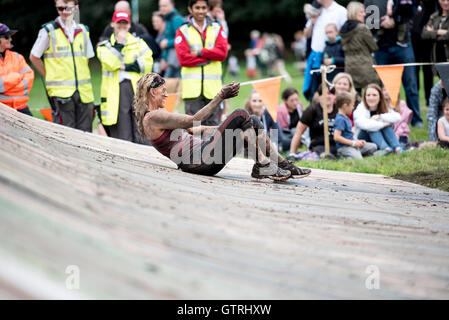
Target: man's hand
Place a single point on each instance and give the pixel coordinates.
(220, 15)
(121, 36)
(387, 22)
(164, 65)
(441, 32)
(429, 28)
(229, 91)
(163, 44)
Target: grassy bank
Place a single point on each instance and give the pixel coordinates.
(427, 166)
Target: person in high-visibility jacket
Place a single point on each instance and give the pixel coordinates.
(66, 48)
(124, 59)
(201, 46)
(16, 76)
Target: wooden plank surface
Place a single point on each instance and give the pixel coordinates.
(135, 227)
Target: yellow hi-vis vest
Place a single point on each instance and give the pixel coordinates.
(66, 64)
(135, 49)
(205, 79)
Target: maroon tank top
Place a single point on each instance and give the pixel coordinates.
(177, 139)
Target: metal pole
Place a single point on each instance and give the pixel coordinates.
(324, 106)
(135, 10)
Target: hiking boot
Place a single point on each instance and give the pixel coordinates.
(296, 171)
(273, 172)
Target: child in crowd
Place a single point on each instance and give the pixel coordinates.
(402, 11)
(333, 52)
(251, 64)
(443, 126)
(401, 128)
(299, 46)
(347, 146)
(233, 66)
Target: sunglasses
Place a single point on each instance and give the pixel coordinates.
(157, 82)
(66, 9)
(7, 37)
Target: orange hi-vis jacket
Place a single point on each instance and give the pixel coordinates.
(16, 80)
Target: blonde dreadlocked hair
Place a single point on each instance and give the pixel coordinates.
(141, 99)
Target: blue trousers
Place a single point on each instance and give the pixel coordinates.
(383, 138)
(397, 55)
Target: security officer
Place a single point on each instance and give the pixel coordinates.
(16, 76)
(66, 48)
(124, 59)
(201, 45)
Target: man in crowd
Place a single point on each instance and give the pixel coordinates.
(173, 20)
(393, 52)
(16, 77)
(66, 48)
(136, 29)
(331, 12)
(124, 59)
(217, 13)
(201, 46)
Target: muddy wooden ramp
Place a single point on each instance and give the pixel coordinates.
(85, 216)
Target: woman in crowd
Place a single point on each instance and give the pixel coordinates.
(343, 83)
(159, 26)
(288, 114)
(437, 31)
(358, 45)
(313, 118)
(254, 106)
(374, 121)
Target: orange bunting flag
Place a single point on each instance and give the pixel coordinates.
(47, 114)
(269, 92)
(391, 78)
(170, 102)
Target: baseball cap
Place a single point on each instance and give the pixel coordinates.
(121, 15)
(5, 31)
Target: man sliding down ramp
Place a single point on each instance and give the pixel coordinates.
(176, 136)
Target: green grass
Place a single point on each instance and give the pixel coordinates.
(427, 166)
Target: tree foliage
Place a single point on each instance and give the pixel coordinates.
(280, 16)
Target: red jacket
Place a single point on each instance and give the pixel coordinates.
(16, 80)
(218, 53)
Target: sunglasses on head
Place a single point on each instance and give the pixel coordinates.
(67, 9)
(157, 82)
